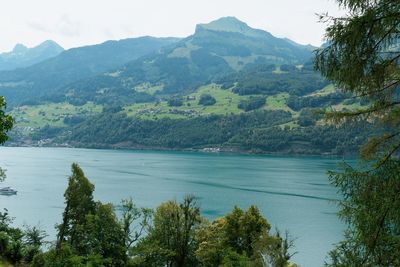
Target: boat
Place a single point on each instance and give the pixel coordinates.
(7, 191)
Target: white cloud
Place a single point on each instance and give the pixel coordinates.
(68, 27)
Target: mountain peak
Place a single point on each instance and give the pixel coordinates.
(225, 24)
(18, 48)
(50, 44)
(232, 25)
(22, 56)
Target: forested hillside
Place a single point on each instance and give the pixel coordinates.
(30, 85)
(226, 87)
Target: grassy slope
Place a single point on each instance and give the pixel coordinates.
(51, 114)
(226, 104)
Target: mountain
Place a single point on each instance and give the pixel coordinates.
(44, 78)
(226, 87)
(222, 47)
(22, 56)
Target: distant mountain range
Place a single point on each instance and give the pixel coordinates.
(22, 56)
(227, 86)
(222, 47)
(48, 76)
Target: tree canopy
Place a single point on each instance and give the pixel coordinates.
(362, 57)
(6, 124)
(6, 121)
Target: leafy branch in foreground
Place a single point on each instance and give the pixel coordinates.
(371, 207)
(362, 57)
(6, 124)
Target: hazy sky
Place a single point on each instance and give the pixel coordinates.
(74, 23)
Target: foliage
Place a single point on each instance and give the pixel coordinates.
(106, 237)
(260, 131)
(172, 234)
(115, 128)
(79, 204)
(207, 100)
(33, 241)
(241, 238)
(65, 257)
(371, 207)
(362, 57)
(6, 122)
(91, 230)
(298, 103)
(252, 103)
(259, 79)
(175, 102)
(17, 245)
(276, 250)
(134, 221)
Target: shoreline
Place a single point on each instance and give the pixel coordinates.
(206, 150)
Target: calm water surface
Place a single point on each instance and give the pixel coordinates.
(293, 193)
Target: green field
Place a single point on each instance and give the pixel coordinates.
(29, 118)
(226, 103)
(329, 89)
(50, 114)
(278, 102)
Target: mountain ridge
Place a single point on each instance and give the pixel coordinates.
(215, 49)
(21, 56)
(74, 64)
(225, 86)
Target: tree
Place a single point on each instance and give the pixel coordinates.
(11, 243)
(211, 242)
(362, 57)
(171, 241)
(175, 102)
(132, 227)
(6, 121)
(370, 206)
(106, 236)
(207, 100)
(252, 103)
(245, 227)
(90, 232)
(79, 203)
(241, 238)
(6, 124)
(33, 241)
(275, 250)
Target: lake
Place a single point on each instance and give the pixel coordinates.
(292, 192)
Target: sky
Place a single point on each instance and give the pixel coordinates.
(73, 23)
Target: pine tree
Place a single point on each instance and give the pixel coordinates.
(79, 204)
(362, 57)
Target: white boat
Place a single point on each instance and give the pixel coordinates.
(7, 191)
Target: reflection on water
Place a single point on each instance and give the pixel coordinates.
(293, 193)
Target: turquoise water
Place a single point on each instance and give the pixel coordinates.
(292, 192)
